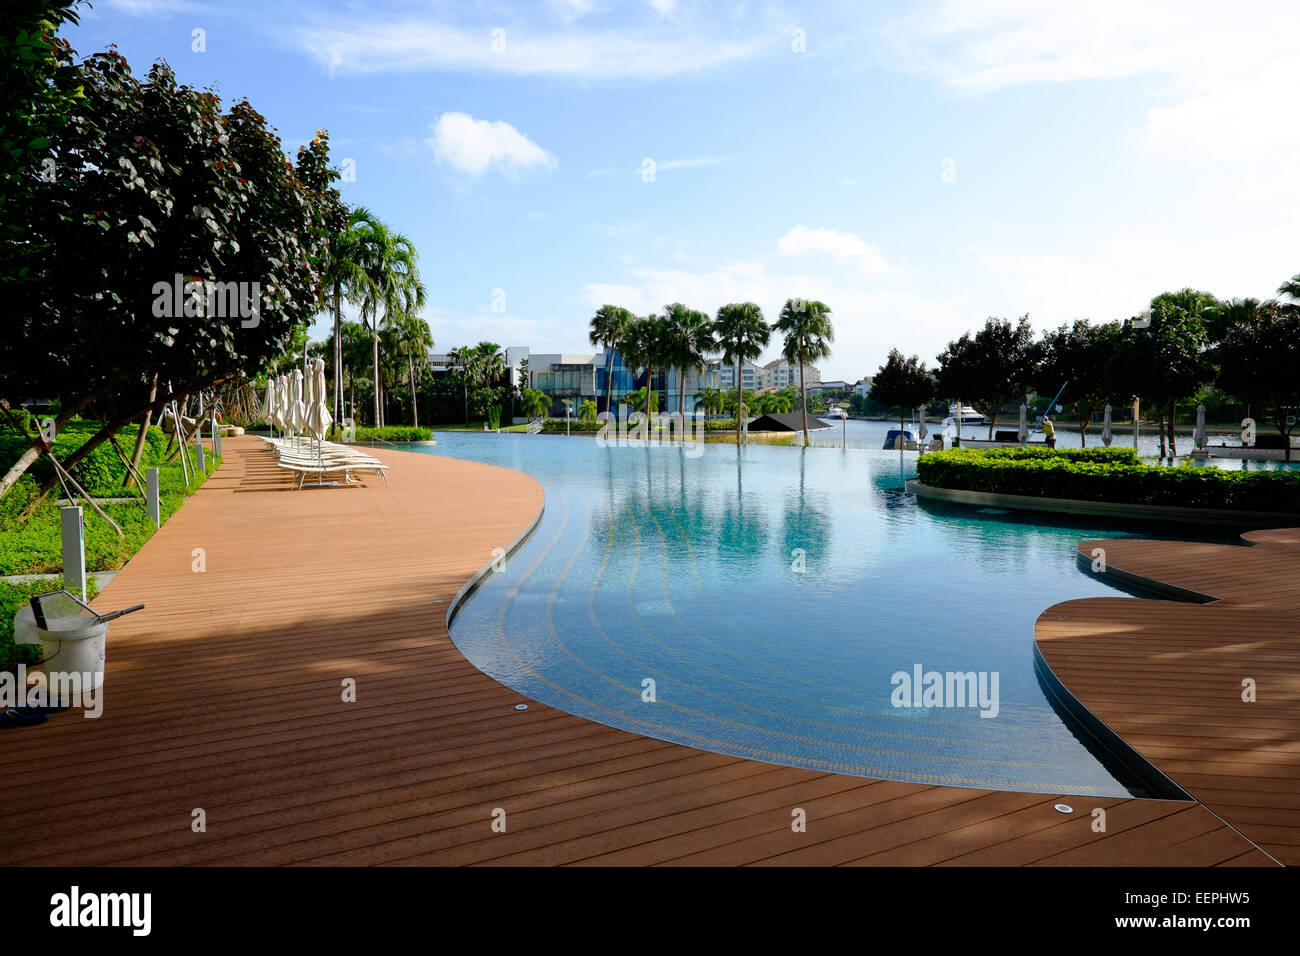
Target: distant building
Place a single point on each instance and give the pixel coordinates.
(863, 388)
(779, 373)
(830, 386)
(750, 374)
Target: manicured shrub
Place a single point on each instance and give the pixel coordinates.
(394, 433)
(1114, 475)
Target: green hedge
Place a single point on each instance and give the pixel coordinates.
(1108, 474)
(395, 433)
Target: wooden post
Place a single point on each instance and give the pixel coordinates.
(74, 549)
(151, 497)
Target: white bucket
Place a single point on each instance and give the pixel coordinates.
(72, 646)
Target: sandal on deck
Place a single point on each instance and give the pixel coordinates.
(23, 717)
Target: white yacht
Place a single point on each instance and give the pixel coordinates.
(968, 416)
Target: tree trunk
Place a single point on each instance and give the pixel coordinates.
(379, 420)
(803, 393)
(1173, 441)
(1160, 424)
(681, 397)
(415, 408)
(138, 452)
(34, 451)
(740, 399)
(609, 378)
(338, 359)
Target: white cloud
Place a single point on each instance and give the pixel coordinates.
(1226, 73)
(844, 248)
(664, 7)
(694, 162)
(153, 8)
(374, 43)
(473, 145)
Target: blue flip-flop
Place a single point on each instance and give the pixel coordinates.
(23, 717)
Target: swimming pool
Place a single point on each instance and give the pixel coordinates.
(763, 602)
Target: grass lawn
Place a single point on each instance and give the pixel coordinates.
(34, 545)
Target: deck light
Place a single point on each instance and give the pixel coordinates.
(1064, 808)
(521, 706)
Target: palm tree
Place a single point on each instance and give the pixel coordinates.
(535, 403)
(689, 340)
(463, 356)
(637, 345)
(587, 412)
(490, 363)
(644, 399)
(607, 327)
(741, 332)
(710, 399)
(1290, 288)
(347, 279)
(414, 339)
(390, 264)
(808, 337)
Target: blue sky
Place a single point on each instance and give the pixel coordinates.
(918, 167)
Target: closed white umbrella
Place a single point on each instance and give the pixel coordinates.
(298, 412)
(281, 405)
(268, 403)
(923, 433)
(1199, 435)
(1024, 424)
(1105, 428)
(318, 413)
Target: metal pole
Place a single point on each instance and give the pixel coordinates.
(74, 549)
(151, 501)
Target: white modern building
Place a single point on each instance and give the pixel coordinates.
(750, 374)
(779, 373)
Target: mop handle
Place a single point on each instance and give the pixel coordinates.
(114, 615)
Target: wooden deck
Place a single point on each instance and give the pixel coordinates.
(225, 695)
(1167, 675)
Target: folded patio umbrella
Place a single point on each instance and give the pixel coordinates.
(1199, 435)
(1105, 429)
(268, 404)
(318, 413)
(924, 432)
(1024, 423)
(298, 411)
(281, 410)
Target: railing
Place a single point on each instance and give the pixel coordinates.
(536, 426)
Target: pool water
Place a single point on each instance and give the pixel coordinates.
(759, 601)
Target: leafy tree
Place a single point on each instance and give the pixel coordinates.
(808, 333)
(1081, 357)
(587, 412)
(902, 383)
(154, 188)
(1171, 357)
(742, 333)
(989, 369)
(607, 327)
(1257, 364)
